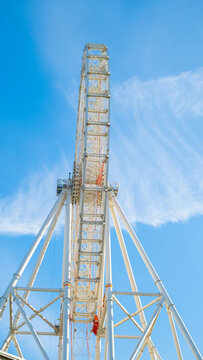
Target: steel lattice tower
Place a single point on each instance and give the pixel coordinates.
(86, 296)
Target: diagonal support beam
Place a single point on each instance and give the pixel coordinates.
(141, 350)
(20, 270)
(147, 330)
(109, 300)
(174, 333)
(66, 277)
(17, 346)
(11, 327)
(43, 251)
(136, 312)
(129, 270)
(31, 328)
(6, 343)
(35, 311)
(39, 311)
(55, 212)
(127, 313)
(156, 279)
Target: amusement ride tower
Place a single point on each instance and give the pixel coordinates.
(87, 299)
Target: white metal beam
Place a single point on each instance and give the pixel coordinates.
(20, 270)
(109, 300)
(32, 330)
(147, 330)
(129, 270)
(175, 336)
(127, 313)
(136, 312)
(17, 346)
(157, 280)
(35, 311)
(53, 216)
(66, 277)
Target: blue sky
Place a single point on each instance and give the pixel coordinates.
(156, 133)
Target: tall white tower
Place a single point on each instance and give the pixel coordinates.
(87, 299)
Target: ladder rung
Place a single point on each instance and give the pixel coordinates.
(81, 321)
(100, 123)
(85, 214)
(94, 72)
(98, 111)
(98, 95)
(92, 222)
(96, 155)
(88, 262)
(82, 314)
(96, 134)
(91, 240)
(90, 253)
(93, 214)
(85, 300)
(87, 279)
(94, 188)
(103, 57)
(95, 46)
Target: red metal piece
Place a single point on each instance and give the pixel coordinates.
(95, 325)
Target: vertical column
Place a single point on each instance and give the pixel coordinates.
(66, 276)
(109, 300)
(156, 279)
(19, 272)
(98, 348)
(130, 274)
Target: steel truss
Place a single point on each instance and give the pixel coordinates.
(87, 286)
(106, 324)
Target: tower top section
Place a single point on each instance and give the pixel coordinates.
(90, 180)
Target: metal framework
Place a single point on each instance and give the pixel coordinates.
(86, 293)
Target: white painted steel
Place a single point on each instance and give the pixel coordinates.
(6, 342)
(90, 179)
(106, 345)
(98, 348)
(147, 330)
(136, 312)
(4, 355)
(39, 311)
(127, 264)
(19, 272)
(156, 279)
(130, 273)
(100, 307)
(32, 330)
(175, 336)
(41, 333)
(24, 302)
(25, 288)
(135, 293)
(127, 313)
(126, 337)
(53, 216)
(15, 341)
(138, 357)
(67, 276)
(109, 300)
(87, 241)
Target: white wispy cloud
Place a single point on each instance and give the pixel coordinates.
(156, 152)
(156, 157)
(24, 211)
(70, 92)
